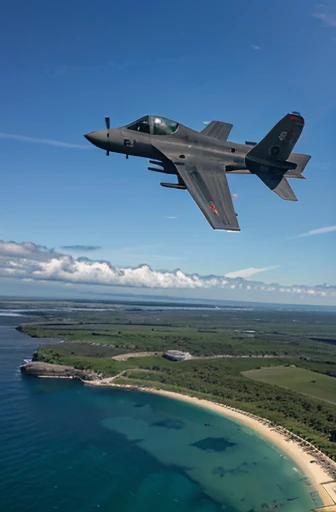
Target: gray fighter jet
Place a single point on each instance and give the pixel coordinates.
(202, 160)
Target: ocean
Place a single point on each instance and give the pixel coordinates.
(74, 448)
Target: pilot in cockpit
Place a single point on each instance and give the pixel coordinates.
(144, 126)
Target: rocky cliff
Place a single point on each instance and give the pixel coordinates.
(39, 369)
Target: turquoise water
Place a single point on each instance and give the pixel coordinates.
(68, 447)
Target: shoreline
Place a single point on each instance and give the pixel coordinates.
(278, 436)
(314, 464)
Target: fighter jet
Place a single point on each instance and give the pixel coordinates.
(202, 160)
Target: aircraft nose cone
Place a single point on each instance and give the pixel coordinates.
(97, 139)
(91, 137)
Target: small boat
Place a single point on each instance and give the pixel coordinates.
(26, 361)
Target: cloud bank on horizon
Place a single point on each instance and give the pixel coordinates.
(33, 262)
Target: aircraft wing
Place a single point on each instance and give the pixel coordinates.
(209, 188)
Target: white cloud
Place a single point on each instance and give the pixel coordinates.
(329, 21)
(37, 263)
(206, 122)
(249, 272)
(318, 231)
(47, 142)
(255, 47)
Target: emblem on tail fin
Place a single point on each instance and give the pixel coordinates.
(283, 136)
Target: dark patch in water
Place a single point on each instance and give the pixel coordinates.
(213, 444)
(139, 405)
(186, 468)
(169, 423)
(219, 470)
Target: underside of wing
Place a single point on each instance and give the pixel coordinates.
(210, 190)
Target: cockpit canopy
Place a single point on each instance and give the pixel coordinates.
(154, 125)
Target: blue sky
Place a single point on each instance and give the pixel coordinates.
(68, 64)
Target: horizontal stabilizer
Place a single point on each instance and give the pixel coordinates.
(301, 161)
(217, 129)
(278, 184)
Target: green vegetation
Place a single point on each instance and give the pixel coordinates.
(281, 338)
(202, 334)
(298, 379)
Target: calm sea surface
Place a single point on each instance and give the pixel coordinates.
(72, 448)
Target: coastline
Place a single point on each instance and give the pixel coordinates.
(278, 436)
(314, 464)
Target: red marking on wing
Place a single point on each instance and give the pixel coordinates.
(213, 208)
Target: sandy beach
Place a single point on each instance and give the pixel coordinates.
(278, 436)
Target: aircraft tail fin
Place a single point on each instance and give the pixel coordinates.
(278, 144)
(272, 159)
(218, 130)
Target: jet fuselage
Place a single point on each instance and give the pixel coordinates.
(201, 160)
(184, 141)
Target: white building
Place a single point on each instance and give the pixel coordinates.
(177, 355)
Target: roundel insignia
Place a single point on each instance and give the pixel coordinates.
(275, 150)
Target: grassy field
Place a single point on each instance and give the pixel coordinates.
(202, 333)
(297, 379)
